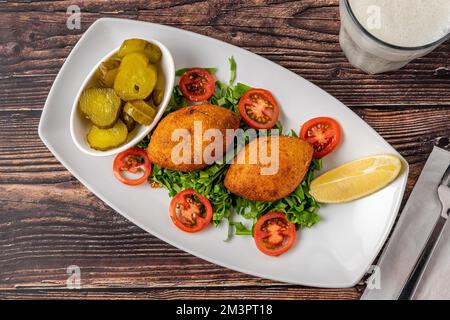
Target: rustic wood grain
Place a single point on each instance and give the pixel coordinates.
(49, 221)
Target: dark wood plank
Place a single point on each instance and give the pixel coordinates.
(245, 294)
(49, 221)
(300, 35)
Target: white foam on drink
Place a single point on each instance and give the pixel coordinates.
(405, 23)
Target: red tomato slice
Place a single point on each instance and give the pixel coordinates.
(323, 133)
(274, 234)
(197, 84)
(259, 109)
(190, 211)
(133, 160)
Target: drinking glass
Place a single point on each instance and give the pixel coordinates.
(370, 54)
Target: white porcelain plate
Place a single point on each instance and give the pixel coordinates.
(334, 253)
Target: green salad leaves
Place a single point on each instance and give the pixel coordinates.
(300, 207)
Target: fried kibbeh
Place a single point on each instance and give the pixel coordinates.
(209, 116)
(247, 180)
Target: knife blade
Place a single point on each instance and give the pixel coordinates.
(443, 192)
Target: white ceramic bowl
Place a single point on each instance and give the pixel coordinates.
(79, 125)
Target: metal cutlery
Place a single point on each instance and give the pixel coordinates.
(443, 192)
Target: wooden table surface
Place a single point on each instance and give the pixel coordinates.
(48, 220)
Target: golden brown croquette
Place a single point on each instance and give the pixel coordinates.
(210, 116)
(246, 180)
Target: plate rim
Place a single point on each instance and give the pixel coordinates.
(348, 284)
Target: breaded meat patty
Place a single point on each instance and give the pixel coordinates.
(188, 124)
(246, 178)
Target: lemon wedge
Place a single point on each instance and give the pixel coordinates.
(356, 179)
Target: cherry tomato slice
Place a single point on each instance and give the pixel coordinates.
(197, 84)
(323, 133)
(190, 211)
(133, 160)
(274, 234)
(259, 109)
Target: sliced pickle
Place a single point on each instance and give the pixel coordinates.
(145, 107)
(104, 139)
(107, 71)
(107, 80)
(136, 78)
(110, 77)
(153, 52)
(109, 64)
(130, 46)
(114, 58)
(129, 121)
(101, 106)
(158, 92)
(157, 96)
(140, 111)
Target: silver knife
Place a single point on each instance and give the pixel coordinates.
(443, 192)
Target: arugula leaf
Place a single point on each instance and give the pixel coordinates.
(177, 100)
(180, 72)
(228, 96)
(237, 228)
(240, 89)
(232, 70)
(241, 230)
(144, 142)
(292, 133)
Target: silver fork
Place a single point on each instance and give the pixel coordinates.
(443, 192)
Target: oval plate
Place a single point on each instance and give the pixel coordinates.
(336, 252)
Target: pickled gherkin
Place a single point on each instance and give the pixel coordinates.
(107, 71)
(124, 92)
(140, 111)
(136, 78)
(151, 51)
(129, 121)
(101, 106)
(157, 96)
(114, 58)
(130, 46)
(110, 76)
(104, 139)
(158, 92)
